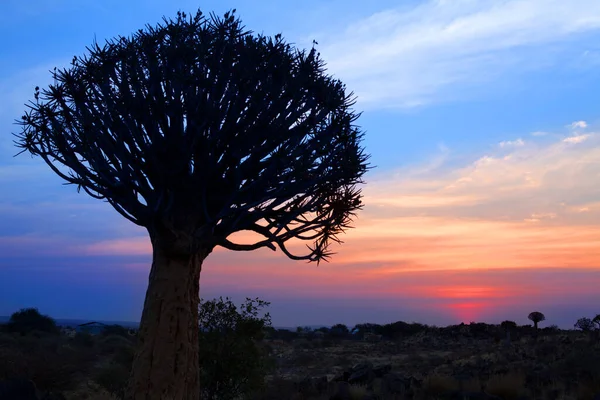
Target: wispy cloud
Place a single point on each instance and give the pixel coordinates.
(578, 124)
(577, 139)
(407, 57)
(511, 143)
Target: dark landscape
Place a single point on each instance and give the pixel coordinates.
(248, 359)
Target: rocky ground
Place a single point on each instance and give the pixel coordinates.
(428, 366)
(470, 363)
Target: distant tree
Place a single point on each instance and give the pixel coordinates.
(197, 129)
(306, 332)
(596, 321)
(29, 319)
(339, 330)
(585, 324)
(536, 317)
(508, 327)
(284, 334)
(232, 364)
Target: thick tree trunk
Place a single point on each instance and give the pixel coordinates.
(166, 365)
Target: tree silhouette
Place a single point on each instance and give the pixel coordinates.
(29, 319)
(197, 129)
(585, 324)
(536, 317)
(508, 326)
(596, 321)
(340, 329)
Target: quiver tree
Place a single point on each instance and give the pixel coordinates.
(197, 129)
(536, 317)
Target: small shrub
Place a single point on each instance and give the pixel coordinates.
(83, 339)
(50, 369)
(124, 356)
(115, 330)
(232, 363)
(113, 344)
(358, 392)
(113, 377)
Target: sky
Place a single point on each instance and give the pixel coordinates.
(482, 121)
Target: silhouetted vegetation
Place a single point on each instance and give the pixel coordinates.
(116, 330)
(536, 317)
(585, 324)
(245, 358)
(233, 364)
(30, 320)
(196, 129)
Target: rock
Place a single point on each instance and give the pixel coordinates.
(362, 366)
(381, 370)
(18, 389)
(361, 374)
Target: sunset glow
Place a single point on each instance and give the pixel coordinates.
(484, 203)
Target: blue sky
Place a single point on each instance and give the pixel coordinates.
(479, 114)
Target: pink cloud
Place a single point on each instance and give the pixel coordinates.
(134, 246)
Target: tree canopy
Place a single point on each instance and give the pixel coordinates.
(197, 129)
(29, 320)
(536, 317)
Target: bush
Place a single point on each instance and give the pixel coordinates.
(113, 344)
(83, 339)
(339, 331)
(28, 320)
(115, 330)
(48, 363)
(585, 324)
(233, 364)
(113, 377)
